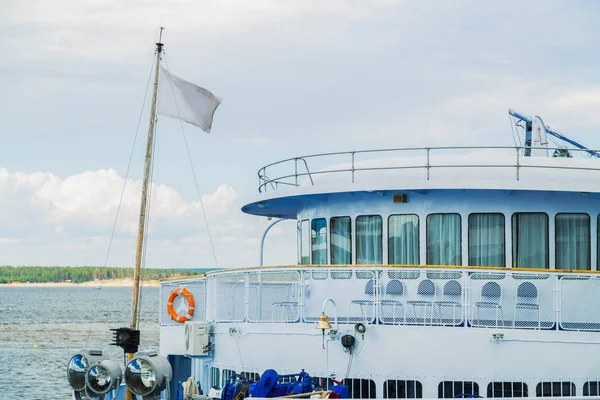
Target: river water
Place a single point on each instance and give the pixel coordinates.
(41, 328)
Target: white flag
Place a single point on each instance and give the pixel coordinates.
(181, 99)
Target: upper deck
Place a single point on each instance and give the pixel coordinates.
(287, 184)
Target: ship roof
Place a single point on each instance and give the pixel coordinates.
(287, 186)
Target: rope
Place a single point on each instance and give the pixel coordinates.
(190, 388)
(112, 235)
(193, 171)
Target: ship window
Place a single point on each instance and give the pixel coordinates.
(286, 379)
(554, 389)
(450, 389)
(530, 240)
(393, 389)
(318, 233)
(507, 389)
(369, 246)
(341, 240)
(251, 376)
(403, 239)
(215, 377)
(304, 243)
(360, 388)
(572, 241)
(227, 373)
(486, 240)
(444, 239)
(591, 389)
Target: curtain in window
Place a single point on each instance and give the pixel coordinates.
(572, 241)
(369, 246)
(318, 233)
(486, 240)
(443, 239)
(341, 240)
(304, 243)
(403, 239)
(530, 240)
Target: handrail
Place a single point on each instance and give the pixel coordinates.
(291, 178)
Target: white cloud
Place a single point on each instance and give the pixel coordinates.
(74, 217)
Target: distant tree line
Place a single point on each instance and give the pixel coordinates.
(10, 274)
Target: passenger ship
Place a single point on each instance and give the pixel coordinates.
(457, 271)
(422, 273)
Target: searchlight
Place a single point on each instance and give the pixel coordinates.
(147, 375)
(103, 377)
(79, 365)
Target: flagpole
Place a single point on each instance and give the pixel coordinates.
(144, 200)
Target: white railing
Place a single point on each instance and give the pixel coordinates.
(454, 297)
(347, 165)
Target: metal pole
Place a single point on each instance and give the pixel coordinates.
(262, 241)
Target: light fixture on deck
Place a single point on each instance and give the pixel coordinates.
(79, 365)
(103, 377)
(147, 375)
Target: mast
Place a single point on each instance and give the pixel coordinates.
(144, 200)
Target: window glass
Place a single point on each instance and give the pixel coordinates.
(530, 240)
(451, 389)
(360, 388)
(572, 241)
(555, 389)
(227, 373)
(341, 240)
(318, 233)
(507, 389)
(369, 246)
(486, 240)
(443, 239)
(591, 389)
(393, 389)
(215, 377)
(305, 243)
(403, 239)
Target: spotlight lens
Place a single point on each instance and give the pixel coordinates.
(76, 371)
(99, 379)
(140, 376)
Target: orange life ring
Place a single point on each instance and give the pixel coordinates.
(191, 304)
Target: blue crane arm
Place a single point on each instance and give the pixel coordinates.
(555, 134)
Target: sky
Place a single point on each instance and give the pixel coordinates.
(296, 77)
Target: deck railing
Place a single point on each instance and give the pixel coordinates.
(291, 171)
(453, 297)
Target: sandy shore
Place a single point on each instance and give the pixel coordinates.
(107, 283)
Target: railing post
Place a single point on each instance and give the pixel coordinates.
(518, 159)
(428, 166)
(296, 170)
(353, 167)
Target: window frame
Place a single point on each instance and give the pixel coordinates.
(380, 241)
(539, 389)
(514, 242)
(469, 237)
(589, 252)
(331, 252)
(312, 246)
(418, 236)
(460, 243)
(442, 394)
(524, 389)
(417, 388)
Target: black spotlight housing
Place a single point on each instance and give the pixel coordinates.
(126, 338)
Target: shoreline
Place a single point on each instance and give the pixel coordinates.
(94, 284)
